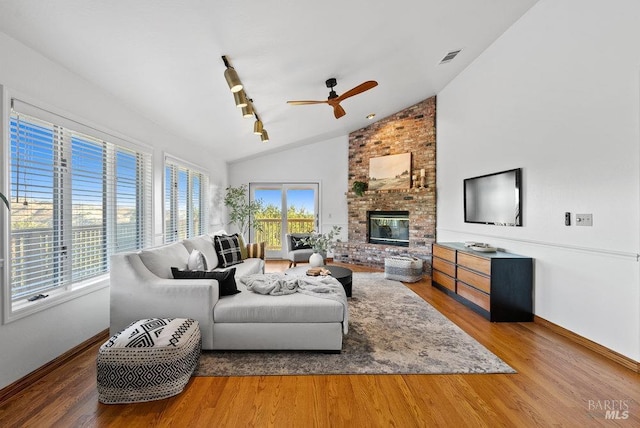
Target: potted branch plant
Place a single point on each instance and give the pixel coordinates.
(321, 243)
(242, 210)
(359, 187)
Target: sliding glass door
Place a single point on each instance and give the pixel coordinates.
(287, 208)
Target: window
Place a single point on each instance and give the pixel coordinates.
(76, 198)
(287, 208)
(184, 201)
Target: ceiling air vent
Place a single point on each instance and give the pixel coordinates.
(449, 56)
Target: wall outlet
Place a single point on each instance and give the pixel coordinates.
(584, 219)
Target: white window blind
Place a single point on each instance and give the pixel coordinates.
(76, 198)
(184, 203)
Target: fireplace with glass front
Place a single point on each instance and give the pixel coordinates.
(388, 228)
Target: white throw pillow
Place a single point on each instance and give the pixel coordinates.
(204, 244)
(160, 260)
(218, 233)
(196, 261)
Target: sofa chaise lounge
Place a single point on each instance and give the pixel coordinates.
(142, 286)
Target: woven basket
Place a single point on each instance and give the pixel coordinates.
(405, 269)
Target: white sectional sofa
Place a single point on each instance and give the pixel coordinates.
(142, 286)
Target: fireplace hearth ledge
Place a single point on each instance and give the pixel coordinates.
(373, 255)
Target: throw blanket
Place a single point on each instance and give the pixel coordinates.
(279, 284)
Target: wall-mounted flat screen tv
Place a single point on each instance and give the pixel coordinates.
(494, 198)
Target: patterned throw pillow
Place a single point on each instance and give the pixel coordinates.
(243, 246)
(228, 249)
(256, 250)
(297, 244)
(226, 279)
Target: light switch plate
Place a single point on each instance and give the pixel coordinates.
(584, 219)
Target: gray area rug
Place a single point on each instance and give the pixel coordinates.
(391, 331)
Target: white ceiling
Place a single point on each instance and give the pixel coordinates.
(163, 58)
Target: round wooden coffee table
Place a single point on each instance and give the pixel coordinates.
(343, 275)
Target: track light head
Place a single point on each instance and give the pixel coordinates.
(257, 126)
(231, 76)
(240, 98)
(264, 137)
(247, 111)
(233, 80)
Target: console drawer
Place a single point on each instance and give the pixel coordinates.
(444, 253)
(444, 280)
(475, 263)
(444, 266)
(476, 296)
(476, 280)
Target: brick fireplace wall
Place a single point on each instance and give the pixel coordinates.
(412, 130)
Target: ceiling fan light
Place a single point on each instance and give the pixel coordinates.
(240, 98)
(264, 137)
(247, 111)
(257, 127)
(233, 80)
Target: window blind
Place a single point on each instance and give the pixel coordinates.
(76, 199)
(185, 196)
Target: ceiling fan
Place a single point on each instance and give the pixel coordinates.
(334, 99)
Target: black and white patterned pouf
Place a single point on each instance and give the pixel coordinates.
(405, 269)
(149, 360)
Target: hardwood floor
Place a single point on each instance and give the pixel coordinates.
(559, 383)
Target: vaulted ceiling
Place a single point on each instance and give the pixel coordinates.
(163, 58)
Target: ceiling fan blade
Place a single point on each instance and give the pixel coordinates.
(358, 89)
(302, 103)
(338, 111)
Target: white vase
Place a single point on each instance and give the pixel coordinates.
(316, 260)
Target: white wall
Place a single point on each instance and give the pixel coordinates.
(33, 341)
(326, 162)
(558, 95)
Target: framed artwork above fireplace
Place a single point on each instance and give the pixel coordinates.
(390, 172)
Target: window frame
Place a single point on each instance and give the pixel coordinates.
(15, 310)
(173, 205)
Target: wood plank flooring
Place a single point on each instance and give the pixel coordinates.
(559, 383)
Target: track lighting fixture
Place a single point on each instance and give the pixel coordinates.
(242, 101)
(231, 76)
(240, 98)
(257, 126)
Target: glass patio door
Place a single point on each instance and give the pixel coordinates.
(287, 208)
